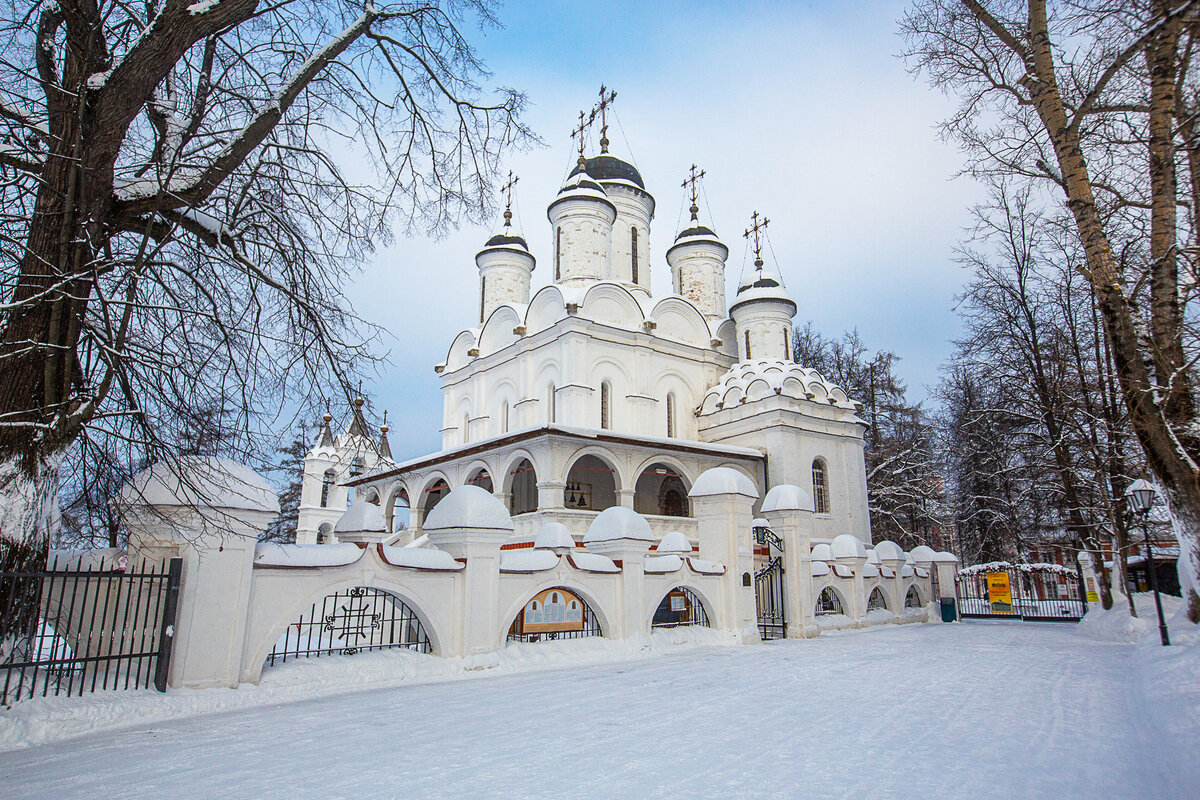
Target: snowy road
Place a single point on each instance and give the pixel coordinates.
(929, 711)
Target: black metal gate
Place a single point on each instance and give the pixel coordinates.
(768, 587)
(70, 631)
(1033, 592)
(357, 619)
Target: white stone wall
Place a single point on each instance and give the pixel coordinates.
(586, 227)
(634, 210)
(504, 278)
(698, 274)
(769, 325)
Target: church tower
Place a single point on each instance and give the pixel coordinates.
(505, 265)
(697, 261)
(762, 310)
(582, 218)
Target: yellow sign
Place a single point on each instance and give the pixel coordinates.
(1092, 595)
(999, 593)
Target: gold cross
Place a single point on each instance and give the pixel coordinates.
(507, 189)
(691, 181)
(602, 109)
(585, 122)
(754, 230)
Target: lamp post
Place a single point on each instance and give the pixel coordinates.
(1140, 495)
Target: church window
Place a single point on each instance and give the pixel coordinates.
(820, 487)
(504, 417)
(550, 410)
(633, 252)
(558, 255)
(876, 601)
(326, 487)
(828, 602)
(605, 405)
(482, 295)
(747, 338)
(786, 342)
(670, 415)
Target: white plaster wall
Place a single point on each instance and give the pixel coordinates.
(769, 324)
(634, 209)
(698, 274)
(586, 227)
(504, 278)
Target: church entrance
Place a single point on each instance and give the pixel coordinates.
(660, 490)
(768, 586)
(522, 489)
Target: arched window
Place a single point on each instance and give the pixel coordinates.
(828, 602)
(787, 340)
(747, 345)
(820, 487)
(876, 600)
(913, 598)
(558, 255)
(482, 295)
(504, 417)
(670, 415)
(550, 410)
(326, 487)
(605, 405)
(633, 252)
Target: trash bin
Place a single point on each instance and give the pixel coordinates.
(949, 612)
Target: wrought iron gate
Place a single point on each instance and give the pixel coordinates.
(768, 587)
(1033, 592)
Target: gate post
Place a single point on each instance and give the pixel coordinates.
(723, 503)
(789, 510)
(209, 512)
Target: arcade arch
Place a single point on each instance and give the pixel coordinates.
(662, 489)
(591, 484)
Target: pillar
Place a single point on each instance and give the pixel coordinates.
(723, 503)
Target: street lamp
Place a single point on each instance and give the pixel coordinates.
(1141, 494)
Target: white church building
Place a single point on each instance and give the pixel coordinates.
(593, 392)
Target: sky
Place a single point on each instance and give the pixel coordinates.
(801, 111)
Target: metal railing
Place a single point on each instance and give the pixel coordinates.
(70, 631)
(1034, 596)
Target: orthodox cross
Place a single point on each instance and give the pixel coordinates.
(585, 122)
(754, 230)
(691, 181)
(602, 109)
(507, 189)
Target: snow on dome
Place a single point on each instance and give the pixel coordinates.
(923, 554)
(722, 480)
(759, 522)
(787, 497)
(889, 551)
(605, 167)
(822, 552)
(762, 285)
(469, 507)
(674, 542)
(785, 378)
(872, 556)
(848, 546)
(552, 535)
(361, 516)
(942, 557)
(207, 481)
(617, 522)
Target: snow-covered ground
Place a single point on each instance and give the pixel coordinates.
(979, 709)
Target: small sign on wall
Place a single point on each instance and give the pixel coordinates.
(999, 593)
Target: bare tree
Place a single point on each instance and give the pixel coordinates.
(1096, 100)
(186, 188)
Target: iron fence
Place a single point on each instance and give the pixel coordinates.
(70, 631)
(352, 621)
(679, 607)
(1033, 595)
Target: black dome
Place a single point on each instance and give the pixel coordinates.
(762, 282)
(501, 239)
(699, 230)
(610, 168)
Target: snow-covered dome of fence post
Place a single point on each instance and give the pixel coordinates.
(467, 518)
(361, 522)
(210, 482)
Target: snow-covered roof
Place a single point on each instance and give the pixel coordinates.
(752, 380)
(420, 558)
(761, 285)
(528, 560)
(657, 565)
(848, 546)
(204, 481)
(923, 554)
(617, 522)
(270, 554)
(552, 535)
(674, 542)
(361, 516)
(705, 567)
(942, 557)
(822, 552)
(819, 568)
(870, 570)
(469, 507)
(1001, 566)
(787, 497)
(842, 571)
(592, 562)
(722, 480)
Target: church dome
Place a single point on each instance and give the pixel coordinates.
(581, 186)
(761, 285)
(698, 231)
(751, 380)
(507, 240)
(610, 168)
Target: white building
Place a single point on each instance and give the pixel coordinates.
(592, 392)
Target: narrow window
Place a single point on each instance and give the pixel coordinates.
(605, 391)
(670, 416)
(633, 252)
(558, 255)
(550, 410)
(326, 487)
(786, 342)
(482, 295)
(820, 487)
(504, 417)
(466, 429)
(747, 345)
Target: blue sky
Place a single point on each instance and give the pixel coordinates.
(801, 111)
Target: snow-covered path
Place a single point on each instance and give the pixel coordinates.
(931, 711)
